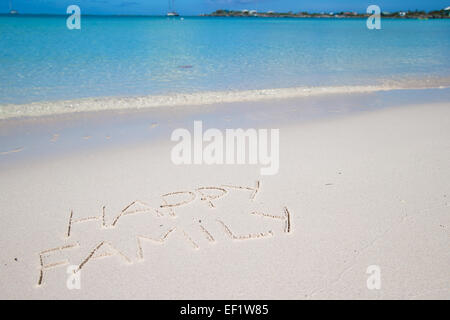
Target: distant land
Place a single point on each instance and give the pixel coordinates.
(435, 14)
(416, 14)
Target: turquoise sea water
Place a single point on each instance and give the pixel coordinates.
(40, 59)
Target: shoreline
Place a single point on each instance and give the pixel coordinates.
(26, 139)
(209, 15)
(49, 108)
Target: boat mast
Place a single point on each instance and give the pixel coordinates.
(10, 5)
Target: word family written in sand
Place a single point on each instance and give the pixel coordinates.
(165, 214)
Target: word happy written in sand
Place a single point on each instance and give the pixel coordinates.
(165, 210)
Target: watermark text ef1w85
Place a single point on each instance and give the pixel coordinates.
(233, 146)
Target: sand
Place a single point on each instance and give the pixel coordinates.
(354, 190)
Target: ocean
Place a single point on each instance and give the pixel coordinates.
(42, 60)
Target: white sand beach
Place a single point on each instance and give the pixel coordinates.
(370, 187)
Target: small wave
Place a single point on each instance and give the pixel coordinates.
(37, 109)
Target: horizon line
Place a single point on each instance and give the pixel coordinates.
(203, 14)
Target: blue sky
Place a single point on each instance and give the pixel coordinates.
(194, 7)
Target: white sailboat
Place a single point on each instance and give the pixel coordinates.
(172, 12)
(11, 10)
